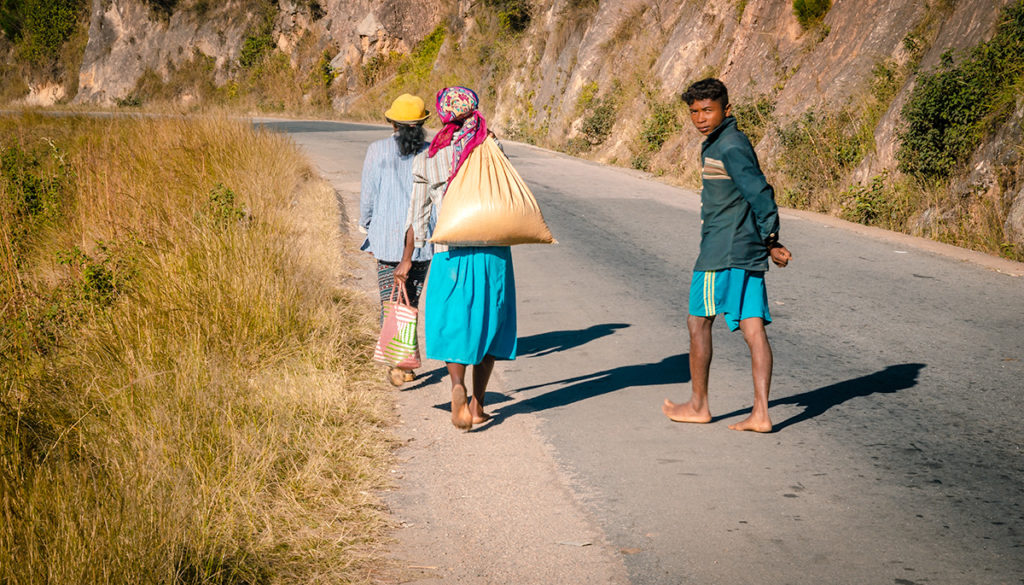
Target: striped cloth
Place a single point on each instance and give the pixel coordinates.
(413, 285)
(384, 202)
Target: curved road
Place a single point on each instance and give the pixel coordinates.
(897, 394)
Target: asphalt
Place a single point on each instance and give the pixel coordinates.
(897, 451)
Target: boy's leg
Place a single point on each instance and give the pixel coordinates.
(761, 368)
(696, 410)
(461, 416)
(481, 375)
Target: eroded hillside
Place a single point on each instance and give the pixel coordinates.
(825, 90)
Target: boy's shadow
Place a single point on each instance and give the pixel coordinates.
(555, 341)
(670, 370)
(816, 402)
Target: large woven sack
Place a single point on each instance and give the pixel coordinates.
(488, 204)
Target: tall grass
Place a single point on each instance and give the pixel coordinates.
(185, 391)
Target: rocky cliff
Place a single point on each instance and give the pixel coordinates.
(820, 86)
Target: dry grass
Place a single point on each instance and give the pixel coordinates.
(208, 417)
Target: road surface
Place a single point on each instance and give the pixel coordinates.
(897, 398)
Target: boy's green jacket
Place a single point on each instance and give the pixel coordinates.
(739, 217)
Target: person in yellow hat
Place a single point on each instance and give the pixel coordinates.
(384, 204)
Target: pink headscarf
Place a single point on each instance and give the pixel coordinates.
(464, 127)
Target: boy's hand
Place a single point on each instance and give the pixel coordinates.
(780, 255)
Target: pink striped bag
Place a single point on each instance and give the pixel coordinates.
(397, 344)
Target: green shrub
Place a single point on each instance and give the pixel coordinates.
(42, 26)
(818, 150)
(952, 107)
(881, 203)
(162, 8)
(420, 63)
(659, 126)
(35, 185)
(810, 12)
(598, 125)
(513, 15)
(754, 118)
(260, 40)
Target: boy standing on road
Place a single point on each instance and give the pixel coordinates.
(739, 232)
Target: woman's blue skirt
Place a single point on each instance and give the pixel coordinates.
(470, 307)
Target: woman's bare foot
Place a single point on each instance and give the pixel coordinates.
(686, 412)
(461, 416)
(757, 424)
(476, 410)
(396, 376)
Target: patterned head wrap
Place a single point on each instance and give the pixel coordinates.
(464, 127)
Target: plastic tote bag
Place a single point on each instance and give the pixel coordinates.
(397, 343)
(488, 204)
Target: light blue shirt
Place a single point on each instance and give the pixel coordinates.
(384, 202)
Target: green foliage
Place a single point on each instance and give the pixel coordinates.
(956, 104)
(260, 41)
(11, 19)
(41, 27)
(818, 150)
(379, 67)
(597, 126)
(810, 12)
(222, 207)
(35, 184)
(754, 118)
(659, 125)
(741, 6)
(421, 61)
(162, 8)
(513, 15)
(586, 99)
(103, 276)
(880, 203)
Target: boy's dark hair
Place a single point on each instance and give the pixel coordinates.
(410, 139)
(707, 89)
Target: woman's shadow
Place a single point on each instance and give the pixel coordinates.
(817, 402)
(670, 370)
(555, 341)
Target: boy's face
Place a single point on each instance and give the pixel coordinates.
(706, 115)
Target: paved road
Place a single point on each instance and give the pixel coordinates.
(897, 394)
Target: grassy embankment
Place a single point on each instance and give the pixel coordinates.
(185, 389)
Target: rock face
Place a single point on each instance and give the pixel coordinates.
(126, 39)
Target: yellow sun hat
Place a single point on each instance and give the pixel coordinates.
(407, 109)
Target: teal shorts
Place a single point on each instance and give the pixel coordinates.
(736, 293)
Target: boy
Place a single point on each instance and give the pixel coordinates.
(739, 232)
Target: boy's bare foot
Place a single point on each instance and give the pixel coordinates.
(686, 412)
(461, 416)
(481, 418)
(757, 424)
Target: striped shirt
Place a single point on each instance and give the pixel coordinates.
(429, 182)
(384, 202)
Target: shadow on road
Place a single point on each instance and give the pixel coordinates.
(816, 402)
(671, 370)
(555, 341)
(424, 379)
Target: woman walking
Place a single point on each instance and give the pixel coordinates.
(384, 205)
(470, 311)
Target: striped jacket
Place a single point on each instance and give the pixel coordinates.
(738, 212)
